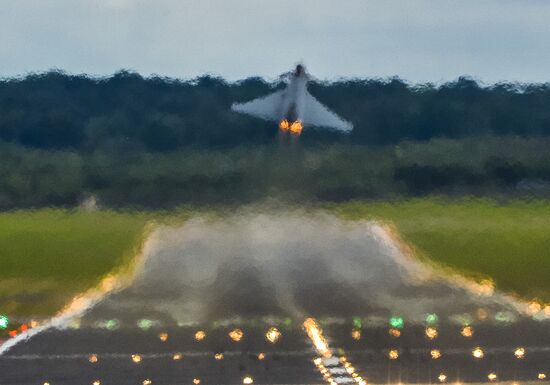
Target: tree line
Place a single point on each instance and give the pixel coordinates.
(127, 112)
(159, 143)
(496, 167)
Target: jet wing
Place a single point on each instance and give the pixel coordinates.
(267, 107)
(316, 114)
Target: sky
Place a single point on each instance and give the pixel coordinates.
(416, 40)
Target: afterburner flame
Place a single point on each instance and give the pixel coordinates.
(284, 125)
(296, 128)
(315, 333)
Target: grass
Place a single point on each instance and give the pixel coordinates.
(47, 256)
(507, 242)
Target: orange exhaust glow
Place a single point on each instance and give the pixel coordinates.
(315, 333)
(284, 125)
(296, 128)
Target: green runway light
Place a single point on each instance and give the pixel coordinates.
(503, 316)
(357, 322)
(432, 319)
(4, 322)
(397, 322)
(145, 324)
(111, 324)
(287, 322)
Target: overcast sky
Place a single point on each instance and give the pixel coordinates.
(417, 40)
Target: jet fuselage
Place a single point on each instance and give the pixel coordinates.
(293, 102)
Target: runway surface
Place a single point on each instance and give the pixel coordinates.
(388, 317)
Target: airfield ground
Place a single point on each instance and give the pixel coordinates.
(49, 255)
(180, 321)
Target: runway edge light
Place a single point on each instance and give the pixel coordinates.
(4, 321)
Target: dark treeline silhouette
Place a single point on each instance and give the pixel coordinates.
(159, 143)
(58, 111)
(504, 167)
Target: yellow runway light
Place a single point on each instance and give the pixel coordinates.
(236, 335)
(519, 353)
(273, 335)
(478, 353)
(467, 331)
(200, 335)
(431, 333)
(393, 354)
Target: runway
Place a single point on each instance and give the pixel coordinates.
(393, 318)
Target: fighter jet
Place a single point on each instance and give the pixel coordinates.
(293, 108)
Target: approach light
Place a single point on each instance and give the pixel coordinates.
(315, 334)
(248, 380)
(356, 334)
(442, 377)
